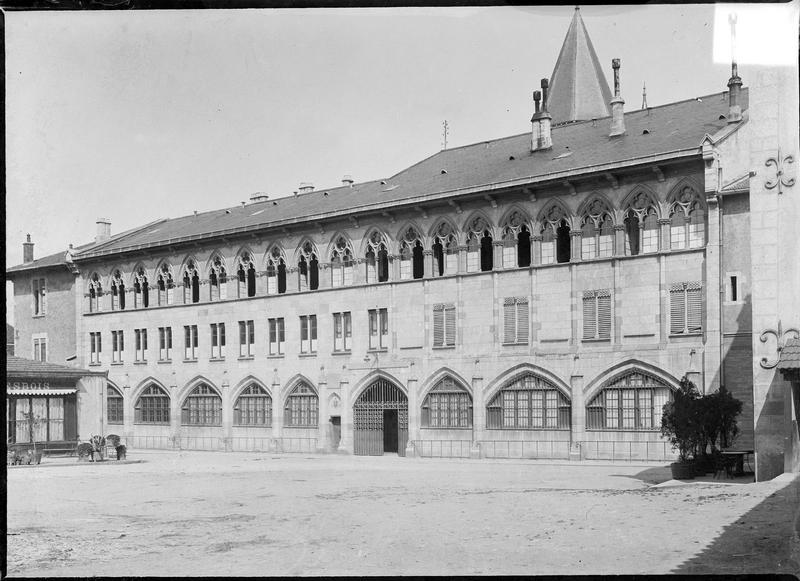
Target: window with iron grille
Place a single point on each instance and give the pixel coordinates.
(308, 334)
(529, 403)
(448, 405)
(202, 407)
(152, 407)
(247, 338)
(253, 408)
(140, 340)
(117, 346)
(277, 336)
(39, 292)
(95, 347)
(190, 341)
(516, 317)
(40, 348)
(165, 343)
(217, 340)
(114, 406)
(686, 308)
(342, 332)
(597, 314)
(633, 401)
(378, 329)
(302, 407)
(444, 325)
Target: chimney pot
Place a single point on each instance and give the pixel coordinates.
(617, 104)
(259, 197)
(306, 187)
(545, 86)
(27, 250)
(540, 122)
(347, 180)
(103, 230)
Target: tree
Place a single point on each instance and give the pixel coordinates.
(680, 420)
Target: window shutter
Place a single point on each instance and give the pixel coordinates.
(604, 314)
(438, 325)
(509, 320)
(677, 309)
(694, 307)
(450, 325)
(43, 291)
(523, 319)
(589, 315)
(242, 333)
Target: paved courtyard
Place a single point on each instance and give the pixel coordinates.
(206, 513)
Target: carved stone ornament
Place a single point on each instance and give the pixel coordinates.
(477, 225)
(780, 181)
(443, 230)
(410, 235)
(554, 214)
(515, 219)
(780, 338)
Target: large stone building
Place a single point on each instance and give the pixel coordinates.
(539, 295)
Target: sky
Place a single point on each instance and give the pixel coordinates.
(136, 116)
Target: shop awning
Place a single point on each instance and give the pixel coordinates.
(42, 392)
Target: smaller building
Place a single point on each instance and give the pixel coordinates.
(10, 339)
(52, 404)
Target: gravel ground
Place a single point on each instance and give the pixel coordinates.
(205, 513)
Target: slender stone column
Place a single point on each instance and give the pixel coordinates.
(462, 259)
(478, 417)
(227, 416)
(324, 439)
(277, 416)
(497, 254)
(575, 245)
(346, 441)
(175, 415)
(128, 412)
(663, 227)
(578, 423)
(619, 240)
(413, 418)
(536, 250)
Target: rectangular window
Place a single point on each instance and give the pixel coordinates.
(515, 320)
(190, 341)
(510, 254)
(39, 292)
(444, 325)
(378, 329)
(217, 340)
(117, 346)
(597, 314)
(95, 347)
(40, 348)
(277, 336)
(473, 258)
(165, 343)
(548, 251)
(140, 339)
(342, 331)
(588, 247)
(308, 334)
(686, 308)
(247, 338)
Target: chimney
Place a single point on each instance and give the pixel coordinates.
(540, 122)
(617, 102)
(258, 197)
(735, 82)
(103, 230)
(306, 187)
(347, 180)
(27, 250)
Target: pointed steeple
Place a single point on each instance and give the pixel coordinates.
(578, 88)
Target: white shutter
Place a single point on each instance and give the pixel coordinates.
(677, 309)
(450, 325)
(694, 307)
(509, 320)
(589, 315)
(523, 318)
(603, 314)
(438, 325)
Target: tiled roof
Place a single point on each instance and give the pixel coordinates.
(673, 131)
(740, 184)
(790, 355)
(20, 367)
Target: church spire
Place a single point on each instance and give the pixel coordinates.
(578, 87)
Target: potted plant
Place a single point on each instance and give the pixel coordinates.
(679, 424)
(34, 422)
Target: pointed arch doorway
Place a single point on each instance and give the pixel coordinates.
(380, 420)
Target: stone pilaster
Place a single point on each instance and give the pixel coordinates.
(478, 417)
(578, 423)
(536, 250)
(497, 254)
(619, 240)
(414, 423)
(713, 332)
(663, 233)
(462, 259)
(427, 257)
(346, 443)
(575, 237)
(227, 416)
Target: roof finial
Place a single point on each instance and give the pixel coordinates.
(735, 82)
(644, 96)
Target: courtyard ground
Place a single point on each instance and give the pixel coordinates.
(204, 513)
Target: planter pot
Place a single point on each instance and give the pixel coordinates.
(682, 471)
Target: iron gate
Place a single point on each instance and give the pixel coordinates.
(369, 418)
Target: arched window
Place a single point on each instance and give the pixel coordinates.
(253, 408)
(411, 257)
(341, 263)
(480, 255)
(445, 250)
(191, 283)
(633, 401)
(166, 285)
(217, 280)
(95, 292)
(529, 403)
(117, 292)
(556, 245)
(516, 241)
(114, 405)
(377, 258)
(302, 407)
(447, 405)
(276, 272)
(308, 267)
(246, 275)
(597, 232)
(641, 226)
(202, 407)
(141, 289)
(687, 221)
(152, 407)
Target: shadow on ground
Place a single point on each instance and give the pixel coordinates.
(763, 540)
(655, 475)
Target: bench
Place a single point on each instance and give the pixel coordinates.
(59, 448)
